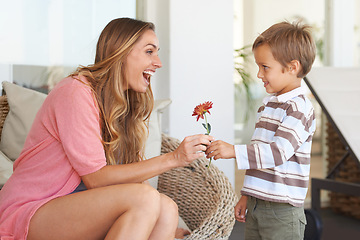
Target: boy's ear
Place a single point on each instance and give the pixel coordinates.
(294, 67)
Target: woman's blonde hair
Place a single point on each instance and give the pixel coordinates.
(289, 41)
(123, 113)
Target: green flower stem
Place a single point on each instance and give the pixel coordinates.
(208, 133)
(206, 124)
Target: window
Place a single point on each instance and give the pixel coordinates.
(43, 41)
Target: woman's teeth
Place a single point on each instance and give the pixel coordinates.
(148, 73)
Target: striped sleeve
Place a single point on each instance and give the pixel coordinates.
(277, 137)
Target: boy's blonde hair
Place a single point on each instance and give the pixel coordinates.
(289, 41)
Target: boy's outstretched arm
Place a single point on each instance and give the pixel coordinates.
(240, 209)
(220, 149)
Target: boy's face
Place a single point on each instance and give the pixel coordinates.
(275, 77)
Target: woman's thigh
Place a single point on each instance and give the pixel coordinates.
(90, 214)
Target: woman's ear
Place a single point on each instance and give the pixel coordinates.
(294, 67)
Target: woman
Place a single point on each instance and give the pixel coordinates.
(91, 131)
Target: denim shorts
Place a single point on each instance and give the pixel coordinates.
(273, 221)
(79, 188)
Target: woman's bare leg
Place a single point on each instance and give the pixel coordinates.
(126, 211)
(168, 220)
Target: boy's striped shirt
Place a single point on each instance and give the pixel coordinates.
(278, 158)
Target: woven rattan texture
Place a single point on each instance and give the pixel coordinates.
(4, 110)
(349, 172)
(204, 196)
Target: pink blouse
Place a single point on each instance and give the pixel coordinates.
(63, 144)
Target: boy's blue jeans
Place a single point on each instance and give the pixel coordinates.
(274, 221)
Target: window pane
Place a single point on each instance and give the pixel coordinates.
(43, 40)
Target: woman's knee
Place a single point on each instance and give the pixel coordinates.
(147, 198)
(169, 203)
(170, 209)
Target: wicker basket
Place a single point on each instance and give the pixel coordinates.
(349, 172)
(204, 196)
(4, 110)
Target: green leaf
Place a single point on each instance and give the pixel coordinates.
(208, 128)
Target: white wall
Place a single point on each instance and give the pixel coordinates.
(196, 42)
(6, 74)
(55, 32)
(341, 22)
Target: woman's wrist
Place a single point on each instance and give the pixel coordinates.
(171, 160)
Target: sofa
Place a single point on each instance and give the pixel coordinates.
(204, 195)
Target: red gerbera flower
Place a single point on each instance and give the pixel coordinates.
(200, 112)
(201, 109)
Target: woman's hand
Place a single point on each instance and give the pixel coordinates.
(191, 148)
(240, 209)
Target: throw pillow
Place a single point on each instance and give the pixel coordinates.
(24, 104)
(6, 168)
(153, 143)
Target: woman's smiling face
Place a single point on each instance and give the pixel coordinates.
(142, 62)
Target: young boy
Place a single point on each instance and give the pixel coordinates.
(278, 158)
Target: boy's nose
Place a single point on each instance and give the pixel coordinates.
(259, 74)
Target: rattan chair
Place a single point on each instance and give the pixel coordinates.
(4, 110)
(204, 195)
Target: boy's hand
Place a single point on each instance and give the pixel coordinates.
(220, 149)
(240, 209)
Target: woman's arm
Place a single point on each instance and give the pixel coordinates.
(190, 149)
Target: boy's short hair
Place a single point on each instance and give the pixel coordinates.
(289, 41)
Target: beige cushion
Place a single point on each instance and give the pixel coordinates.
(6, 168)
(24, 104)
(153, 143)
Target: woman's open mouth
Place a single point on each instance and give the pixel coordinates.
(147, 75)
